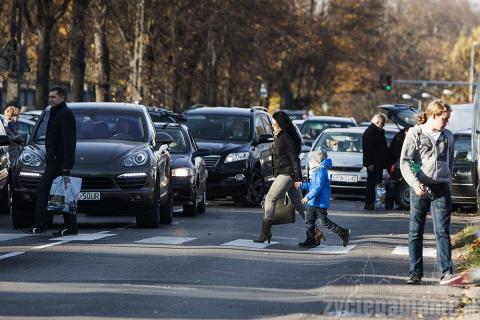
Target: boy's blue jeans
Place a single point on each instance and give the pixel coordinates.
(440, 208)
(313, 213)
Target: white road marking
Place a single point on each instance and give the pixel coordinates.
(165, 240)
(83, 237)
(50, 245)
(403, 251)
(331, 249)
(10, 236)
(244, 243)
(11, 254)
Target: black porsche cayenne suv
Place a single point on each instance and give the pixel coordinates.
(240, 141)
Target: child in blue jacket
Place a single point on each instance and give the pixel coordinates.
(317, 199)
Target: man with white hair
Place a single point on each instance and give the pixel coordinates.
(375, 156)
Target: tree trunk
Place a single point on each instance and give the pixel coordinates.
(136, 60)
(77, 50)
(43, 64)
(102, 57)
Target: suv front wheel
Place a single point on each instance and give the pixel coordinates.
(255, 191)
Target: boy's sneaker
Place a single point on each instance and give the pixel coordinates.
(450, 279)
(346, 237)
(64, 232)
(36, 230)
(414, 279)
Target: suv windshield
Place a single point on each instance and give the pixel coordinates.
(179, 144)
(95, 124)
(219, 127)
(312, 129)
(340, 142)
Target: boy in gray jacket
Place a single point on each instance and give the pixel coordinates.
(426, 163)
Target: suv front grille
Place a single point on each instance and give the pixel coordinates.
(211, 161)
(29, 182)
(131, 183)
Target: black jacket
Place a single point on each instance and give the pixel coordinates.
(285, 156)
(375, 149)
(61, 137)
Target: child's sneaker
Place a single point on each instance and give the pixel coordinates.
(308, 243)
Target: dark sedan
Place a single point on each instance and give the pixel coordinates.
(124, 164)
(189, 174)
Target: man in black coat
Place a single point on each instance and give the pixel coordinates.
(60, 144)
(375, 156)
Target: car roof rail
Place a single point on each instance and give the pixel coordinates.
(258, 108)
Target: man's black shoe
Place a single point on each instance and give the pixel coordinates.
(36, 230)
(414, 279)
(64, 232)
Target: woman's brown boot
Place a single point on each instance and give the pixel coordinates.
(266, 233)
(319, 236)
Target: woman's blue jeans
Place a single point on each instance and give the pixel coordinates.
(440, 208)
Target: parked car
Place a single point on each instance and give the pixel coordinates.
(313, 126)
(463, 184)
(4, 164)
(239, 166)
(124, 164)
(344, 146)
(25, 126)
(295, 114)
(189, 174)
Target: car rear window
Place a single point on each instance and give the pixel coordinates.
(312, 129)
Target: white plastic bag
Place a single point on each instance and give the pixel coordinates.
(380, 196)
(64, 194)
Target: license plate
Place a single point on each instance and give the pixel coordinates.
(89, 196)
(343, 178)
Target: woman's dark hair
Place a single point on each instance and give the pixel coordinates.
(286, 124)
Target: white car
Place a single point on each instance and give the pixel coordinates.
(348, 176)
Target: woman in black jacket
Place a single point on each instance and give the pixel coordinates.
(286, 168)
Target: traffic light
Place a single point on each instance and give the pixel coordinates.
(386, 82)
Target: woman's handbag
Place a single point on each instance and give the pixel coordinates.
(64, 195)
(284, 211)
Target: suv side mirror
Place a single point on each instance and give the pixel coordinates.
(265, 138)
(4, 140)
(201, 153)
(163, 138)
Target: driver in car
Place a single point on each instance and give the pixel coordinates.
(123, 130)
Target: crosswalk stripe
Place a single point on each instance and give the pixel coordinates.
(10, 236)
(322, 249)
(403, 251)
(49, 245)
(11, 254)
(244, 243)
(165, 240)
(84, 237)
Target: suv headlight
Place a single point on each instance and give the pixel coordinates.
(30, 159)
(136, 159)
(183, 172)
(232, 157)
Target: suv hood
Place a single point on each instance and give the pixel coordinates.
(346, 159)
(180, 161)
(402, 114)
(223, 147)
